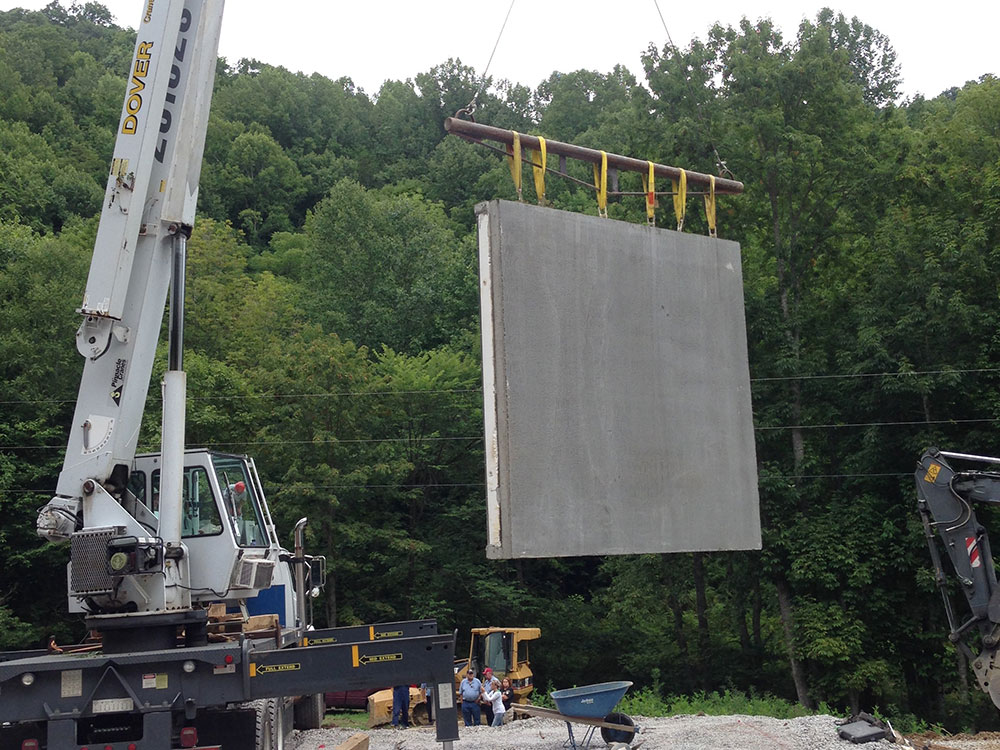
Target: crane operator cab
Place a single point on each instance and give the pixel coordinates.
(232, 547)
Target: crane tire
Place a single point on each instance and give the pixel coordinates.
(309, 711)
(270, 730)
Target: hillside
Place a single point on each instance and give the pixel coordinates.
(333, 334)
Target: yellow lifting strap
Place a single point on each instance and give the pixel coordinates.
(649, 188)
(538, 171)
(680, 198)
(514, 157)
(601, 183)
(710, 209)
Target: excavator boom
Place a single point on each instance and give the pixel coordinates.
(945, 500)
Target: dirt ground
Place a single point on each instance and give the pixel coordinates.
(981, 741)
(656, 733)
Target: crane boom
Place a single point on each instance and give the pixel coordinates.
(166, 547)
(148, 205)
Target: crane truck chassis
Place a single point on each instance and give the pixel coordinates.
(157, 541)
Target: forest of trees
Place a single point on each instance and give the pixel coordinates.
(333, 334)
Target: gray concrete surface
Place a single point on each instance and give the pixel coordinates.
(617, 391)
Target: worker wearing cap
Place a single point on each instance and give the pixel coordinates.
(470, 690)
(238, 499)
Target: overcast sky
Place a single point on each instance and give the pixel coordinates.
(938, 45)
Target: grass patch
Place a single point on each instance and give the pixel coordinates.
(346, 719)
(736, 702)
(648, 701)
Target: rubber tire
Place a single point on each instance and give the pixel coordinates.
(270, 731)
(263, 734)
(278, 723)
(618, 735)
(309, 711)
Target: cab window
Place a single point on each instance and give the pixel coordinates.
(240, 502)
(200, 514)
(498, 652)
(137, 488)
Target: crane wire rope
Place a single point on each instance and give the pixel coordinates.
(719, 163)
(470, 108)
(665, 29)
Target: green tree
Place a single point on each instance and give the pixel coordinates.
(387, 269)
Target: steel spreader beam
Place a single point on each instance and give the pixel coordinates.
(474, 131)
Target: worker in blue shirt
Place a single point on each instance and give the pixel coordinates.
(470, 689)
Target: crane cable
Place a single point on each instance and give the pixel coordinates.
(719, 163)
(470, 108)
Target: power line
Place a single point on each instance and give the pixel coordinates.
(875, 424)
(358, 394)
(265, 443)
(389, 486)
(876, 374)
(273, 396)
(479, 438)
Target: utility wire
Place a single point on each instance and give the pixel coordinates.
(274, 488)
(876, 424)
(266, 443)
(274, 396)
(876, 374)
(479, 438)
(358, 394)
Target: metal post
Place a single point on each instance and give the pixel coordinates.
(473, 131)
(300, 571)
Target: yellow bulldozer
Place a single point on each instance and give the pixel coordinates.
(505, 651)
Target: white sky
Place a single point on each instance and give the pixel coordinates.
(939, 45)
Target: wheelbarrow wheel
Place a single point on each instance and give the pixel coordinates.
(625, 734)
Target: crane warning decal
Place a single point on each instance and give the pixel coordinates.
(373, 636)
(972, 547)
(118, 381)
(361, 660)
(317, 641)
(259, 669)
(932, 471)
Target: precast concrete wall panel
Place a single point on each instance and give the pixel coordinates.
(616, 388)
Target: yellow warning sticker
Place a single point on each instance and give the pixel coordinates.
(932, 473)
(387, 634)
(119, 168)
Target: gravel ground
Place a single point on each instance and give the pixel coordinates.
(662, 733)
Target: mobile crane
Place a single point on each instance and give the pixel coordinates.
(158, 541)
(945, 499)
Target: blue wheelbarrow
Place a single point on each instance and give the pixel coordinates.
(592, 705)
